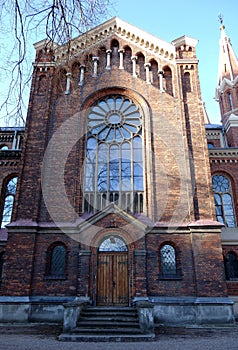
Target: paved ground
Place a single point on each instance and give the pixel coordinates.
(44, 337)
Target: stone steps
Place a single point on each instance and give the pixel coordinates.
(107, 324)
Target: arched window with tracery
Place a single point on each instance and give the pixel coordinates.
(231, 266)
(114, 155)
(8, 201)
(113, 243)
(223, 200)
(168, 260)
(56, 261)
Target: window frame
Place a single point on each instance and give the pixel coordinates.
(49, 257)
(178, 273)
(129, 186)
(235, 267)
(221, 207)
(6, 193)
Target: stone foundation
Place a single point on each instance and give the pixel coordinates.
(197, 311)
(167, 311)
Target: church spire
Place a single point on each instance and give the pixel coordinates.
(228, 63)
(227, 87)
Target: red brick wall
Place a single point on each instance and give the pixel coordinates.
(177, 181)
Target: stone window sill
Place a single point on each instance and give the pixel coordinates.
(170, 277)
(62, 278)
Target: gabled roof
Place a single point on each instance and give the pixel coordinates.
(88, 229)
(124, 30)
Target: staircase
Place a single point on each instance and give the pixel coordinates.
(107, 324)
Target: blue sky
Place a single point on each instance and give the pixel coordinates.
(171, 19)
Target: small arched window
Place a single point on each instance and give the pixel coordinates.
(230, 100)
(231, 266)
(187, 82)
(168, 260)
(3, 147)
(223, 200)
(8, 200)
(210, 145)
(57, 261)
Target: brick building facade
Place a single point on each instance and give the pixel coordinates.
(114, 200)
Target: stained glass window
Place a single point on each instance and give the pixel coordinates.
(114, 155)
(223, 200)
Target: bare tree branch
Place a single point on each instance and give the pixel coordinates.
(58, 20)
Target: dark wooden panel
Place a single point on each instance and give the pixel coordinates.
(112, 279)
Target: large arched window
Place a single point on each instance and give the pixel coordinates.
(114, 155)
(8, 200)
(223, 200)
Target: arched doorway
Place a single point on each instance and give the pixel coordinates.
(112, 272)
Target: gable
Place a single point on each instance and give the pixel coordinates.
(125, 33)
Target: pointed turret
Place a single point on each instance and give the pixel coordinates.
(228, 63)
(227, 88)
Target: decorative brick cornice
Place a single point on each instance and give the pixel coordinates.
(10, 154)
(122, 29)
(223, 153)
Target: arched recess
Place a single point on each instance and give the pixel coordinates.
(127, 59)
(102, 59)
(42, 85)
(168, 82)
(75, 71)
(154, 73)
(149, 194)
(115, 54)
(141, 65)
(112, 271)
(62, 81)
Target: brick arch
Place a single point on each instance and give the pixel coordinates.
(154, 72)
(42, 85)
(49, 251)
(140, 65)
(62, 80)
(127, 58)
(106, 232)
(168, 80)
(75, 73)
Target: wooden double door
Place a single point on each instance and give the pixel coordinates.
(112, 279)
